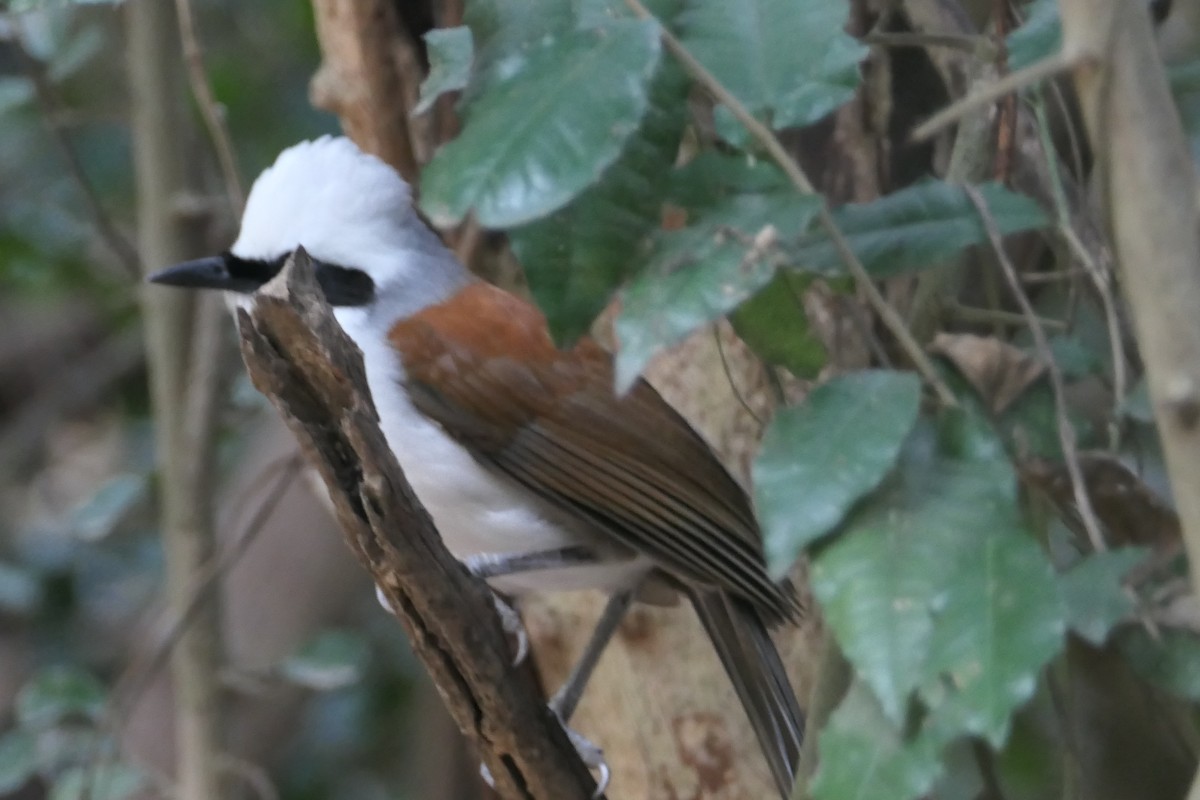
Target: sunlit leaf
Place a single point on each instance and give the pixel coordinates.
(547, 130)
(819, 458)
(576, 258)
(789, 61)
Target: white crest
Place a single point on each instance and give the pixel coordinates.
(351, 209)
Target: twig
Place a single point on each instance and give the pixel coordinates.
(121, 247)
(1012, 82)
(1066, 431)
(139, 674)
(1101, 278)
(890, 317)
(733, 387)
(300, 358)
(990, 316)
(210, 110)
(186, 448)
(956, 41)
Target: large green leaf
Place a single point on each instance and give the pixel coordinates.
(789, 60)
(1093, 595)
(700, 273)
(865, 755)
(1002, 620)
(575, 258)
(914, 228)
(936, 586)
(546, 128)
(819, 458)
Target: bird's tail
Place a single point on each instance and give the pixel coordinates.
(741, 640)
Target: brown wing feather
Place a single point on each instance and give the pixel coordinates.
(631, 466)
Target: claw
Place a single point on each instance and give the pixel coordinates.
(589, 753)
(513, 626)
(383, 601)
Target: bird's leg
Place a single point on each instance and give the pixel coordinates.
(495, 565)
(566, 699)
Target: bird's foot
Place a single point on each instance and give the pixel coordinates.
(589, 753)
(514, 627)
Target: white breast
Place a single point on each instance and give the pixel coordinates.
(475, 509)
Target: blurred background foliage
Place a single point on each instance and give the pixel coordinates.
(80, 555)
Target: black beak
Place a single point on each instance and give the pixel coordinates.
(214, 272)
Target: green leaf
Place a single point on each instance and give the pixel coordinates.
(775, 325)
(58, 693)
(789, 60)
(1075, 358)
(18, 760)
(713, 177)
(935, 585)
(702, 272)
(1136, 404)
(575, 259)
(332, 660)
(1040, 36)
(1092, 593)
(76, 52)
(14, 93)
(818, 459)
(99, 782)
(1170, 661)
(20, 589)
(914, 228)
(450, 53)
(1002, 621)
(105, 509)
(865, 755)
(546, 130)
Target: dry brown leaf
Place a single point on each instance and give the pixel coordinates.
(997, 370)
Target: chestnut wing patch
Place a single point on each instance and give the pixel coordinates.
(631, 466)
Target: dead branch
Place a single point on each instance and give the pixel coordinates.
(359, 77)
(298, 356)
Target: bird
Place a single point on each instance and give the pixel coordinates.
(537, 474)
